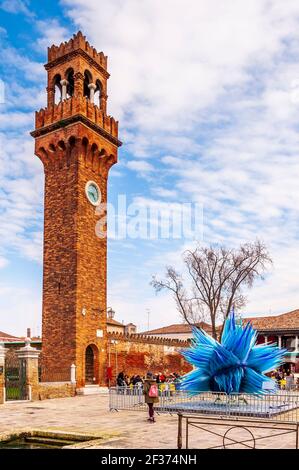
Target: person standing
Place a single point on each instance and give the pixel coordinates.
(289, 381)
(120, 383)
(121, 380)
(151, 395)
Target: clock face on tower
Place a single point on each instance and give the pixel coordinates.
(93, 193)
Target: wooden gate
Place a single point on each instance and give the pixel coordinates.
(15, 378)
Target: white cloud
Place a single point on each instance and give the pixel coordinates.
(15, 119)
(14, 62)
(21, 195)
(140, 166)
(208, 93)
(215, 88)
(16, 6)
(23, 305)
(168, 62)
(3, 262)
(164, 192)
(161, 311)
(51, 33)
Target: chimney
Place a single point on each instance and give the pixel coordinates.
(28, 332)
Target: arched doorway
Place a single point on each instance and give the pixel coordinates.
(91, 365)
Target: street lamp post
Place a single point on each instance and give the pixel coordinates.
(110, 315)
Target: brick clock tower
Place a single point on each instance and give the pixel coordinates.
(77, 143)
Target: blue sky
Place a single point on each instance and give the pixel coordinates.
(207, 95)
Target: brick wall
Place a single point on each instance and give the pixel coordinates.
(46, 390)
(135, 354)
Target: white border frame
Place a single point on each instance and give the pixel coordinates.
(99, 191)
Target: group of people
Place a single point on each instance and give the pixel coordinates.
(285, 380)
(160, 378)
(124, 380)
(152, 386)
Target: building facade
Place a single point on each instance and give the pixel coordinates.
(181, 331)
(282, 330)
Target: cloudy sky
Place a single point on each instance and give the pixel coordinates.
(207, 95)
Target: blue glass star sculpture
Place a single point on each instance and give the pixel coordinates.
(236, 365)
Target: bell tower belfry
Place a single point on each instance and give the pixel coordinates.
(77, 143)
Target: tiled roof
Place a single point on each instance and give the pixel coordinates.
(289, 320)
(20, 339)
(284, 321)
(177, 328)
(7, 337)
(111, 321)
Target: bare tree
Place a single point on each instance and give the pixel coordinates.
(216, 278)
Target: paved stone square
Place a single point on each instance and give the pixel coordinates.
(124, 429)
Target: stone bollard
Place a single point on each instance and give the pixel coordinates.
(73, 374)
(28, 357)
(2, 373)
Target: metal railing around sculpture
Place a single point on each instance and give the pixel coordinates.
(275, 407)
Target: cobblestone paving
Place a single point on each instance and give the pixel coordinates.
(126, 429)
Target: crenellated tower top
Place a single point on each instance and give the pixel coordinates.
(76, 45)
(77, 90)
